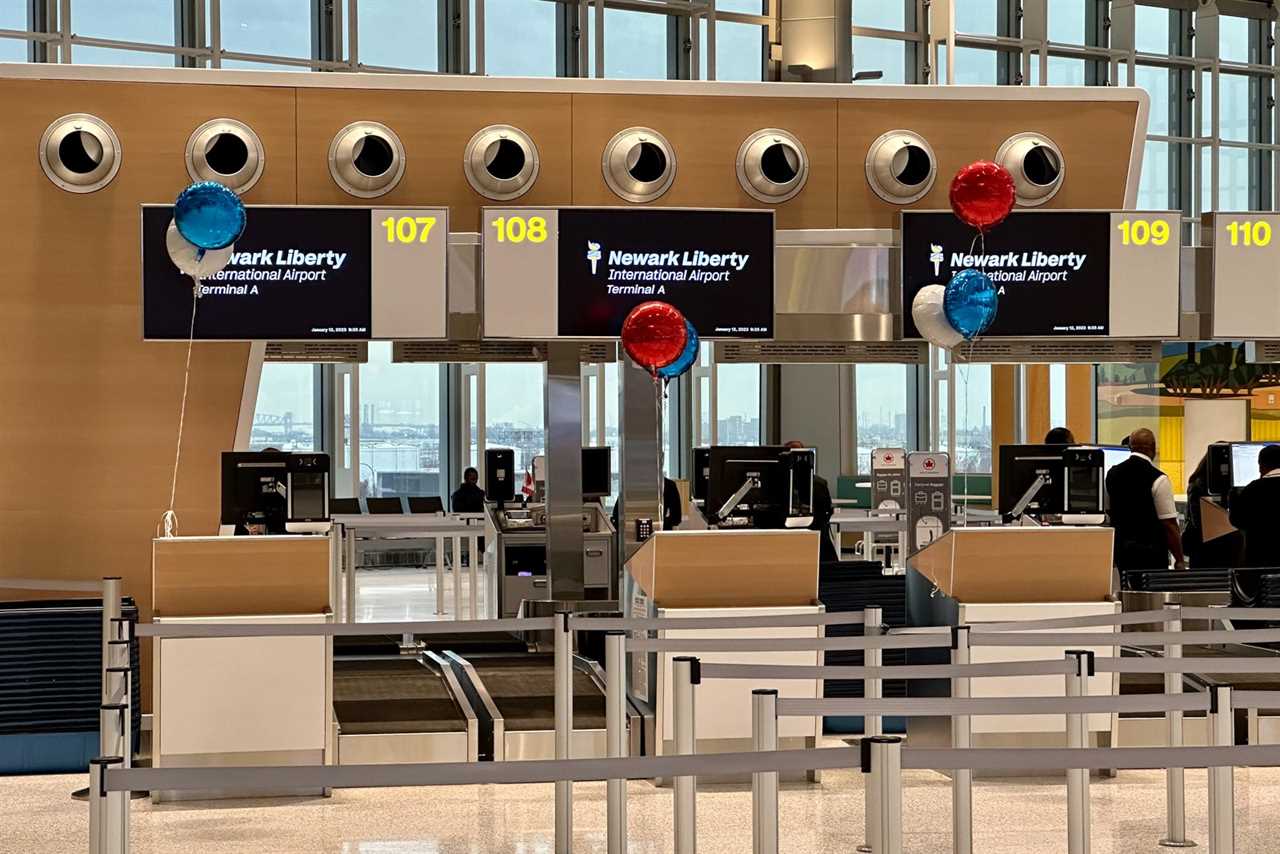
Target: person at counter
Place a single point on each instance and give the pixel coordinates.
(1256, 512)
(1140, 504)
(1222, 551)
(672, 506)
(823, 510)
(1060, 436)
(468, 497)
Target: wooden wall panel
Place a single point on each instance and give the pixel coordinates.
(1004, 419)
(1096, 138)
(706, 132)
(88, 412)
(224, 576)
(1036, 402)
(434, 128)
(1081, 402)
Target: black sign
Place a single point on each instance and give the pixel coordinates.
(1052, 268)
(715, 266)
(296, 274)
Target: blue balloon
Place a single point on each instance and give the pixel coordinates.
(970, 303)
(209, 215)
(687, 356)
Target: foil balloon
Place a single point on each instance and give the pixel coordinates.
(982, 194)
(931, 318)
(687, 356)
(654, 335)
(209, 215)
(191, 259)
(970, 303)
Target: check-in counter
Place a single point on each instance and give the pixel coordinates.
(745, 573)
(241, 700)
(971, 576)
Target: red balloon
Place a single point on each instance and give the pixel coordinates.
(982, 194)
(654, 335)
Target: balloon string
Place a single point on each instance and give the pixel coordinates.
(660, 393)
(980, 241)
(169, 521)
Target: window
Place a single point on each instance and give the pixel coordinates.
(284, 416)
(520, 38)
(399, 33)
(1159, 85)
(1066, 22)
(738, 404)
(635, 44)
(1233, 38)
(271, 27)
(885, 14)
(513, 403)
(13, 50)
(1066, 71)
(973, 419)
(886, 55)
(399, 426)
(1057, 395)
(1154, 189)
(739, 51)
(977, 17)
(974, 66)
(149, 21)
(881, 407)
(1152, 27)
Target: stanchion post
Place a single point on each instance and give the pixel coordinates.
(764, 784)
(961, 738)
(110, 613)
(1222, 825)
(615, 664)
(685, 676)
(882, 765)
(564, 730)
(457, 576)
(97, 805)
(1175, 778)
(439, 576)
(108, 811)
(871, 690)
(1077, 737)
(473, 564)
(349, 561)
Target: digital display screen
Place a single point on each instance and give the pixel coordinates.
(1244, 463)
(1112, 456)
(305, 273)
(715, 266)
(1052, 268)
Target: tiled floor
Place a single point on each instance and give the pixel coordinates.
(1011, 817)
(389, 595)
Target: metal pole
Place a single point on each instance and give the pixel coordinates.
(350, 561)
(473, 559)
(439, 576)
(457, 576)
(110, 613)
(97, 804)
(564, 730)
(871, 724)
(1222, 826)
(615, 663)
(1175, 778)
(961, 737)
(1078, 778)
(882, 762)
(764, 784)
(685, 676)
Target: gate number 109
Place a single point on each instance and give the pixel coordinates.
(1140, 232)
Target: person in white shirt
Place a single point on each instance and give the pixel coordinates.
(1140, 504)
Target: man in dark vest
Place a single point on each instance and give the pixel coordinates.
(1256, 512)
(1140, 503)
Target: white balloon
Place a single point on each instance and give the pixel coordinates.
(931, 319)
(189, 258)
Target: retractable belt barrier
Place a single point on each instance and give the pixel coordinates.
(921, 707)
(53, 586)
(787, 644)
(839, 618)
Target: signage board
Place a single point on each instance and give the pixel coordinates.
(1246, 281)
(306, 274)
(1059, 273)
(888, 478)
(577, 272)
(928, 497)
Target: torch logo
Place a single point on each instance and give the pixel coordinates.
(593, 255)
(936, 256)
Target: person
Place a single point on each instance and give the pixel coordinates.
(823, 510)
(1060, 436)
(1140, 502)
(468, 497)
(1224, 551)
(672, 506)
(1256, 512)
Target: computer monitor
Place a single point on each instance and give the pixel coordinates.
(1020, 465)
(729, 467)
(1112, 456)
(701, 474)
(597, 472)
(345, 506)
(1217, 474)
(1244, 463)
(1084, 486)
(773, 485)
(275, 492)
(425, 504)
(500, 474)
(384, 506)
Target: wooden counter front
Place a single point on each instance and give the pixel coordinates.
(728, 569)
(233, 576)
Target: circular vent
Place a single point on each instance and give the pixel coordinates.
(901, 167)
(80, 153)
(366, 159)
(501, 162)
(639, 164)
(226, 151)
(772, 165)
(1036, 164)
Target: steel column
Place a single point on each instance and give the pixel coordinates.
(564, 730)
(1175, 778)
(685, 678)
(764, 785)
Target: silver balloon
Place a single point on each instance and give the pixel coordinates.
(191, 259)
(931, 318)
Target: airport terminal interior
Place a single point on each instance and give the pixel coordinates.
(443, 426)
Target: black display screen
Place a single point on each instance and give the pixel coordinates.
(715, 266)
(296, 274)
(1052, 268)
